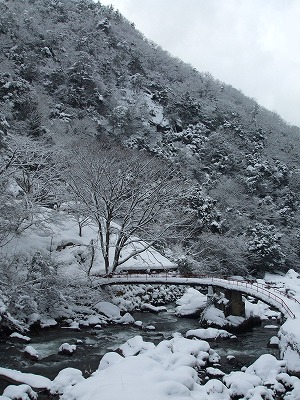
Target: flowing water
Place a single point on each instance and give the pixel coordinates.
(96, 342)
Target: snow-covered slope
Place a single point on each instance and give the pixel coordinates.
(56, 233)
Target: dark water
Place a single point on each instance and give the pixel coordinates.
(95, 343)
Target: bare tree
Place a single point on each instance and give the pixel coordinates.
(132, 198)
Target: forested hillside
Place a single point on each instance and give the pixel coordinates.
(74, 72)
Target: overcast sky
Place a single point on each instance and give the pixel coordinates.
(253, 45)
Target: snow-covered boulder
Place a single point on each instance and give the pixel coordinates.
(213, 357)
(260, 393)
(216, 390)
(239, 383)
(16, 335)
(214, 372)
(34, 381)
(108, 309)
(191, 303)
(214, 316)
(289, 339)
(149, 328)
(94, 320)
(126, 319)
(48, 323)
(151, 308)
(20, 392)
(135, 345)
(65, 378)
(267, 367)
(109, 359)
(134, 378)
(67, 349)
(208, 334)
(73, 325)
(274, 342)
(31, 353)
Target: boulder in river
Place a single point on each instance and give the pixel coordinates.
(31, 353)
(67, 349)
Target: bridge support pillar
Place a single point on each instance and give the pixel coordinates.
(210, 293)
(236, 305)
(230, 302)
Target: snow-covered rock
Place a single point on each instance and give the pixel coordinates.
(48, 322)
(214, 372)
(259, 393)
(93, 320)
(274, 342)
(67, 349)
(126, 319)
(108, 309)
(151, 372)
(267, 367)
(16, 335)
(239, 383)
(31, 353)
(135, 345)
(150, 307)
(216, 390)
(34, 381)
(191, 303)
(109, 359)
(20, 392)
(208, 333)
(65, 378)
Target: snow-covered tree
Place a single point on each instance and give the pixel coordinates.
(132, 198)
(264, 249)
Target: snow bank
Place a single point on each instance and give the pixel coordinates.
(150, 372)
(131, 379)
(289, 332)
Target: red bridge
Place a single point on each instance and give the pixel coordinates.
(260, 291)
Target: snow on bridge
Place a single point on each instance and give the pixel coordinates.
(290, 307)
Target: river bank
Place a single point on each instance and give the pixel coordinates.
(144, 342)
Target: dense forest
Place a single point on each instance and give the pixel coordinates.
(77, 75)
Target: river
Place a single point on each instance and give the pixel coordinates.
(92, 344)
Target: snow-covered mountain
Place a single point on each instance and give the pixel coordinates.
(80, 70)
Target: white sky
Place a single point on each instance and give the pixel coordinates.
(253, 45)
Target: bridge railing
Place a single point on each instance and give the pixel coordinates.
(259, 288)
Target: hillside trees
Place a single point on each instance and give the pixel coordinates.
(132, 198)
(28, 179)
